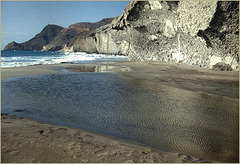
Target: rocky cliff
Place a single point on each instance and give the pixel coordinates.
(204, 33)
(55, 38)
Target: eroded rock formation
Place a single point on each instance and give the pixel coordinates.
(204, 33)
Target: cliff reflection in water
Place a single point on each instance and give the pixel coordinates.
(97, 68)
(165, 118)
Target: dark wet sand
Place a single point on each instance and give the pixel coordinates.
(175, 75)
(27, 140)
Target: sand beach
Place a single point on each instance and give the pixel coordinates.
(27, 140)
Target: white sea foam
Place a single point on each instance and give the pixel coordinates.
(56, 58)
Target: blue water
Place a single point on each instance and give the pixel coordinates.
(26, 58)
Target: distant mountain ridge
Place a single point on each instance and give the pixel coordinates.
(44, 37)
(54, 37)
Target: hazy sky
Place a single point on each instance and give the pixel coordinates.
(22, 20)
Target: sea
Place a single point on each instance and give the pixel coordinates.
(15, 58)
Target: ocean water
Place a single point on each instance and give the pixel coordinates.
(156, 115)
(25, 58)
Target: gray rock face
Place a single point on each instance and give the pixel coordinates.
(195, 16)
(103, 40)
(203, 34)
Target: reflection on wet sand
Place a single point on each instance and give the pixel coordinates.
(97, 68)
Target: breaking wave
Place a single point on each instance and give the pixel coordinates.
(26, 58)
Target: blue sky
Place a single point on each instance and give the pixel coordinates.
(22, 20)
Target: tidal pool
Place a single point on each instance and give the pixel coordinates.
(153, 114)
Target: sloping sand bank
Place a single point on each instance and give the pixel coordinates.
(186, 77)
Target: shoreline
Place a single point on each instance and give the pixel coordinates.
(96, 148)
(179, 75)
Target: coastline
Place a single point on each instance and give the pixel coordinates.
(179, 75)
(74, 145)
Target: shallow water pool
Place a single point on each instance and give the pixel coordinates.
(163, 117)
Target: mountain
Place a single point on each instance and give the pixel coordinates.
(44, 37)
(200, 33)
(13, 46)
(54, 37)
(64, 39)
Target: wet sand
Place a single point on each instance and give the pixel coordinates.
(187, 77)
(27, 140)
(175, 75)
(25, 71)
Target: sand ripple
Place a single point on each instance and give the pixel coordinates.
(166, 118)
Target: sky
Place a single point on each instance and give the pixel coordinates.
(22, 20)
